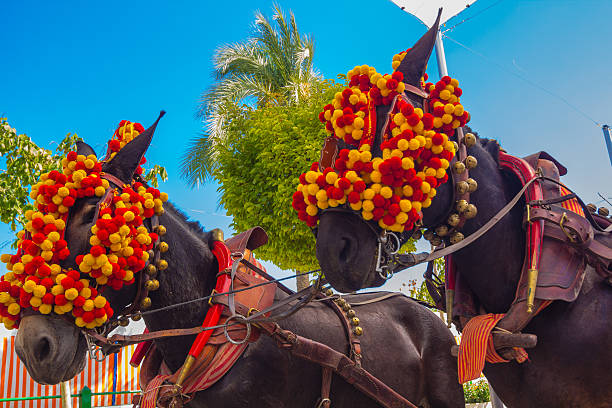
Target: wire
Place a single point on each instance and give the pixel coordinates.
(535, 85)
(471, 17)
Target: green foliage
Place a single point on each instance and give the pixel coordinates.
(421, 292)
(476, 391)
(24, 162)
(258, 172)
(273, 67)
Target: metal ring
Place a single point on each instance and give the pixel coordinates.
(95, 352)
(246, 323)
(398, 244)
(384, 274)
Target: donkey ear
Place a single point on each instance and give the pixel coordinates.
(84, 149)
(415, 62)
(126, 161)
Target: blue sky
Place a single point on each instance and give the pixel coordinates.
(83, 66)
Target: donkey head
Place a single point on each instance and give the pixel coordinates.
(53, 348)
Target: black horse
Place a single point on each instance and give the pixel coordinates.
(570, 365)
(403, 344)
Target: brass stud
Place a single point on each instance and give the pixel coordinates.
(456, 237)
(123, 322)
(136, 317)
(472, 185)
(346, 307)
(162, 265)
(217, 234)
(453, 220)
(146, 303)
(461, 206)
(592, 208)
(150, 284)
(341, 302)
(161, 230)
(151, 269)
(358, 331)
(603, 211)
(469, 139)
(163, 247)
(462, 187)
(471, 162)
(442, 230)
(470, 211)
(355, 321)
(417, 235)
(458, 167)
(350, 313)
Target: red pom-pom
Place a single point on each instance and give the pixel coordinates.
(97, 250)
(359, 186)
(398, 76)
(379, 201)
(389, 219)
(378, 213)
(353, 197)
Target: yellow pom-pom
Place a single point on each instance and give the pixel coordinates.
(331, 177)
(71, 294)
(408, 191)
(45, 309)
(416, 205)
(35, 301)
(445, 94)
(29, 286)
(312, 210)
(425, 187)
(367, 215)
(323, 204)
(5, 258)
(79, 322)
(14, 309)
(86, 293)
(386, 192)
(405, 205)
(368, 194)
(88, 306)
(413, 144)
(402, 144)
(368, 205)
(57, 289)
(426, 202)
(39, 291)
(99, 191)
(99, 302)
(4, 297)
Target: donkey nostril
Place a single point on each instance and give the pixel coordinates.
(43, 349)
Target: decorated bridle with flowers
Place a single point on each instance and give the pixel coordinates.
(415, 150)
(121, 245)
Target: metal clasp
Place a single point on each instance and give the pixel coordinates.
(565, 231)
(95, 352)
(246, 323)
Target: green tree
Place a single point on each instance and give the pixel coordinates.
(259, 164)
(273, 67)
(25, 161)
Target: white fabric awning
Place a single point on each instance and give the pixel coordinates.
(427, 10)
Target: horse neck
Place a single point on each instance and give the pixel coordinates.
(190, 275)
(491, 265)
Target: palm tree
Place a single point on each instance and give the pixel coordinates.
(272, 67)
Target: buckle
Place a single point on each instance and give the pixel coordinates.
(212, 296)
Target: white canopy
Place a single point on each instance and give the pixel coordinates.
(427, 10)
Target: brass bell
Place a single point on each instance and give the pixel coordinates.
(329, 292)
(146, 303)
(442, 230)
(162, 265)
(151, 253)
(603, 211)
(428, 235)
(123, 322)
(358, 331)
(456, 146)
(462, 187)
(436, 241)
(469, 139)
(136, 317)
(346, 307)
(458, 167)
(472, 185)
(456, 237)
(453, 220)
(152, 284)
(151, 269)
(461, 206)
(163, 247)
(355, 321)
(471, 162)
(592, 208)
(350, 313)
(417, 235)
(161, 230)
(470, 211)
(340, 302)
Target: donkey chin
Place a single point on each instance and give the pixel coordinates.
(52, 349)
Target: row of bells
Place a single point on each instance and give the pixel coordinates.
(350, 313)
(151, 270)
(462, 207)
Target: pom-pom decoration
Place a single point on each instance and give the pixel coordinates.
(119, 241)
(416, 150)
